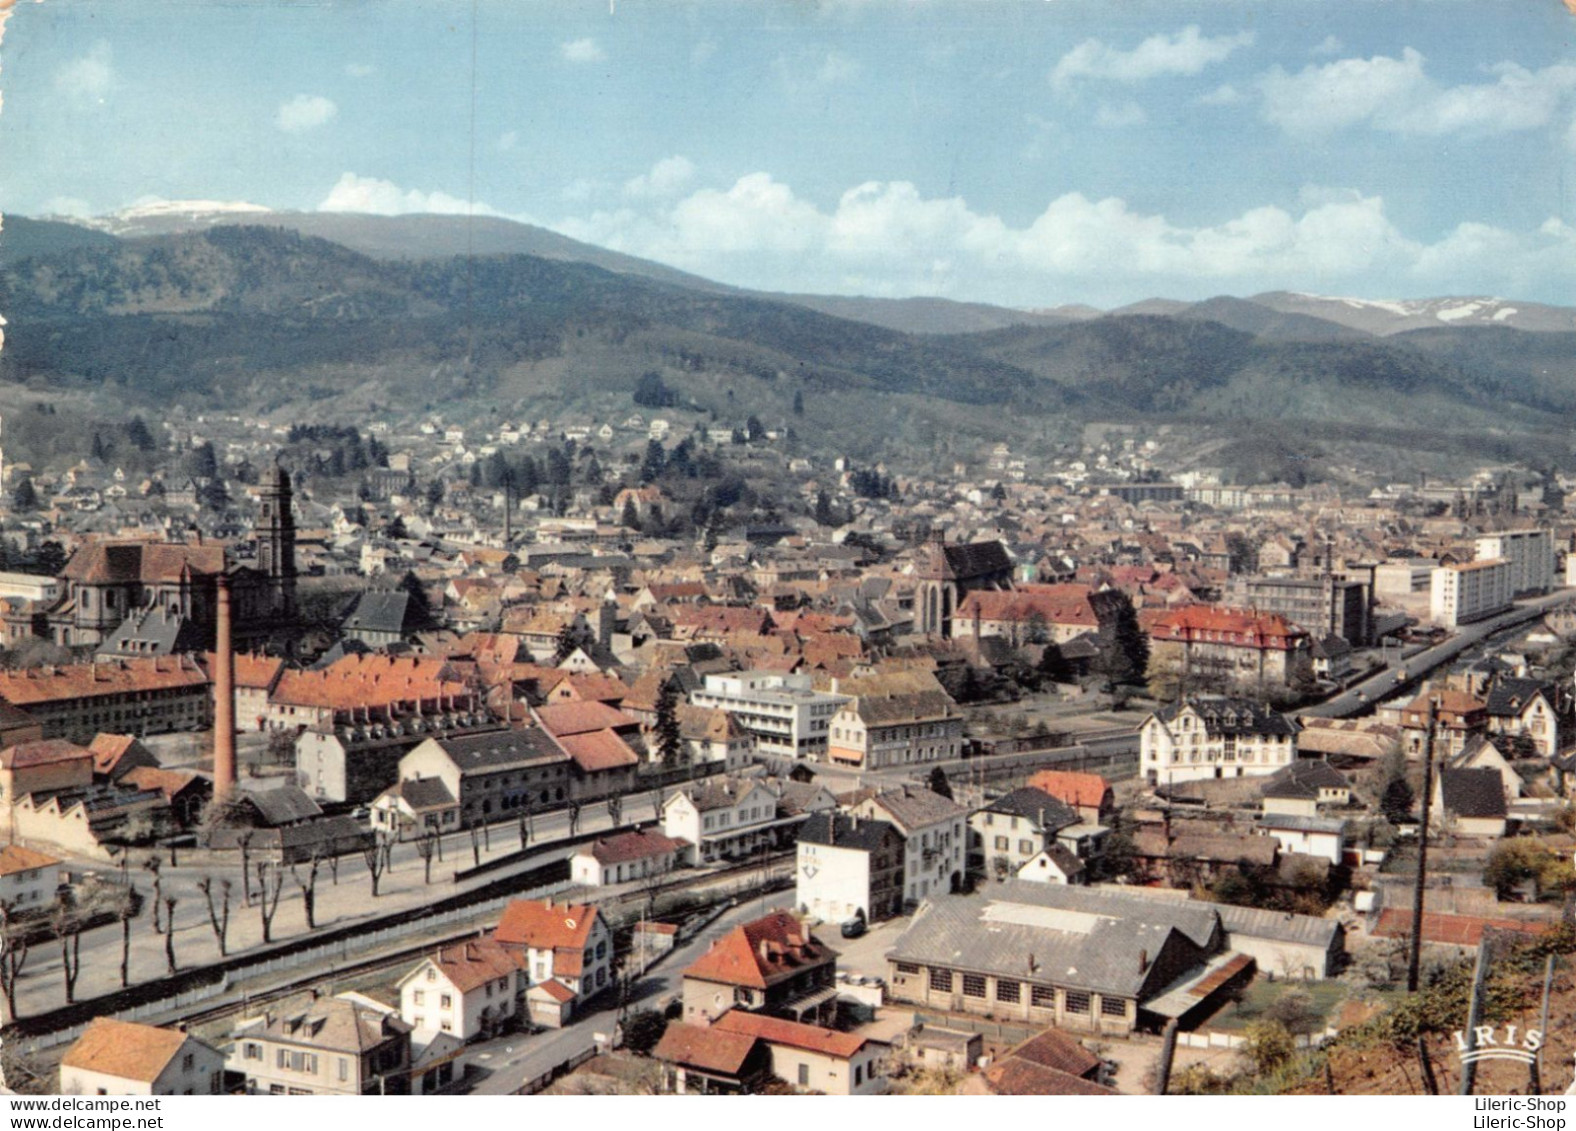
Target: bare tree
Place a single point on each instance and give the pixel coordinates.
(333, 866)
(574, 818)
(243, 841)
(270, 880)
(169, 935)
(67, 926)
(476, 845)
(152, 865)
(615, 809)
(527, 809)
(218, 916)
(13, 956)
(376, 859)
(487, 835)
(308, 887)
(128, 906)
(425, 844)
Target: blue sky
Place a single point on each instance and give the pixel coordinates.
(1027, 153)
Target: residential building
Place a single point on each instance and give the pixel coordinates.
(604, 746)
(849, 868)
(1232, 647)
(1324, 837)
(416, 694)
(568, 953)
(1288, 945)
(1472, 801)
(876, 732)
(1459, 717)
(1530, 554)
(347, 1045)
(493, 775)
(1008, 832)
(935, 837)
(770, 965)
(124, 1058)
(471, 989)
(136, 696)
(1526, 709)
(621, 858)
(1047, 1064)
(1214, 737)
(809, 1058)
(787, 716)
(1467, 591)
(1089, 794)
(1300, 789)
(716, 739)
(1325, 606)
(726, 818)
(29, 880)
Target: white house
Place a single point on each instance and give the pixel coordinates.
(469, 990)
(1312, 836)
(123, 1058)
(1214, 737)
(723, 817)
(28, 879)
(1055, 864)
(935, 835)
(568, 955)
(625, 857)
(849, 868)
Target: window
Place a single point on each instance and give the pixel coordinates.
(186, 1062)
(344, 1069)
(1026, 848)
(941, 980)
(1002, 843)
(1007, 990)
(859, 1074)
(973, 985)
(420, 997)
(804, 1075)
(1113, 1007)
(251, 1051)
(1077, 1001)
(907, 968)
(445, 1002)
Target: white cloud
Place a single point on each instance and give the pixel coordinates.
(1223, 95)
(359, 70)
(506, 141)
(305, 112)
(1397, 96)
(887, 238)
(1119, 115)
(87, 78)
(67, 206)
(666, 178)
(352, 193)
(582, 51)
(1186, 53)
(1329, 45)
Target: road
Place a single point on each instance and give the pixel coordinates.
(1362, 696)
(506, 1063)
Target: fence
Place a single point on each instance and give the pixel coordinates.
(1215, 1039)
(537, 1083)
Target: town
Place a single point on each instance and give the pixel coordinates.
(657, 753)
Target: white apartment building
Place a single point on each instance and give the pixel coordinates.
(1469, 591)
(935, 838)
(723, 818)
(1214, 737)
(1529, 553)
(789, 718)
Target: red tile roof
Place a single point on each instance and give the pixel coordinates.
(1241, 627)
(706, 1048)
(560, 719)
(536, 923)
(761, 953)
(471, 965)
(1086, 791)
(15, 858)
(124, 1049)
(598, 751)
(85, 681)
(774, 1030)
(45, 752)
(638, 844)
(370, 680)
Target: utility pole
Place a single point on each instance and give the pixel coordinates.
(1414, 960)
(1475, 1012)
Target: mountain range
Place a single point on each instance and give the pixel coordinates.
(278, 311)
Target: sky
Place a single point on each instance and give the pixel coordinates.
(1023, 152)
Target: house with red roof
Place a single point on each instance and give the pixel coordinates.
(1235, 646)
(1089, 794)
(636, 854)
(474, 988)
(771, 965)
(566, 951)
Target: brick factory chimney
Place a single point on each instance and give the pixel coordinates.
(224, 698)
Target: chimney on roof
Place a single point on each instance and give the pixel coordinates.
(1143, 961)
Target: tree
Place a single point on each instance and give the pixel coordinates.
(655, 463)
(574, 818)
(1124, 649)
(615, 810)
(1054, 665)
(270, 880)
(1396, 801)
(939, 784)
(138, 435)
(308, 888)
(67, 928)
(13, 957)
(1267, 1045)
(631, 516)
(567, 641)
(753, 428)
(203, 463)
(823, 509)
(798, 402)
(152, 865)
(426, 845)
(376, 860)
(25, 497)
(218, 914)
(670, 738)
(643, 1030)
(170, 903)
(128, 908)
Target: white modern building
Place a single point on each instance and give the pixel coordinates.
(789, 718)
(1470, 591)
(1529, 553)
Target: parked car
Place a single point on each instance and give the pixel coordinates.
(854, 927)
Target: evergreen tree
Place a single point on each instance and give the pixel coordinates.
(631, 516)
(203, 463)
(1396, 803)
(823, 510)
(939, 784)
(1054, 666)
(670, 742)
(25, 497)
(655, 462)
(798, 402)
(568, 640)
(139, 436)
(1124, 649)
(753, 428)
(100, 453)
(435, 493)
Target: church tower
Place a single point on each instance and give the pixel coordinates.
(276, 538)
